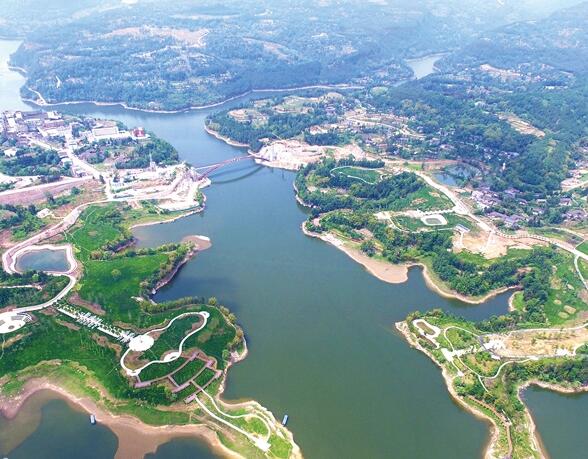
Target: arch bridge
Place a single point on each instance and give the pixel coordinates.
(210, 168)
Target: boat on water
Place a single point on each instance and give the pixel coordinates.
(92, 419)
(285, 420)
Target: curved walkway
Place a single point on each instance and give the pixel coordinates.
(10, 268)
(462, 209)
(468, 367)
(170, 357)
(257, 441)
(10, 256)
(51, 302)
(579, 271)
(231, 416)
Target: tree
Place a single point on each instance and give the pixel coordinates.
(50, 199)
(368, 247)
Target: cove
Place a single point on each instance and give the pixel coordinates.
(558, 418)
(62, 433)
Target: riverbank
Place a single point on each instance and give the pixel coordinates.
(141, 427)
(136, 439)
(535, 436)
(284, 378)
(517, 432)
(199, 243)
(42, 102)
(169, 220)
(224, 139)
(490, 450)
(398, 273)
(387, 272)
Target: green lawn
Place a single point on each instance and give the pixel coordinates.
(583, 247)
(157, 370)
(93, 230)
(584, 268)
(428, 198)
(213, 339)
(557, 233)
(204, 377)
(188, 371)
(48, 340)
(113, 291)
(565, 288)
(170, 338)
(415, 224)
(370, 176)
(185, 392)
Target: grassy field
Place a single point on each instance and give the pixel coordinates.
(215, 337)
(584, 268)
(204, 377)
(583, 247)
(556, 233)
(366, 175)
(126, 273)
(501, 395)
(86, 362)
(415, 224)
(170, 338)
(212, 340)
(95, 228)
(425, 199)
(74, 345)
(565, 300)
(28, 296)
(188, 371)
(158, 370)
(428, 199)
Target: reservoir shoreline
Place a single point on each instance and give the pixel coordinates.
(41, 102)
(398, 273)
(235, 272)
(127, 428)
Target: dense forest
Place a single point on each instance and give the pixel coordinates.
(352, 213)
(35, 161)
(157, 150)
(278, 126)
(172, 55)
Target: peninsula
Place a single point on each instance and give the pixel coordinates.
(121, 354)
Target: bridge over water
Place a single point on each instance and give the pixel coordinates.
(210, 168)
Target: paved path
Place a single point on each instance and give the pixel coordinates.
(579, 271)
(462, 209)
(169, 357)
(37, 192)
(257, 441)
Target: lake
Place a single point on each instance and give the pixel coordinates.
(43, 260)
(320, 329)
(423, 66)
